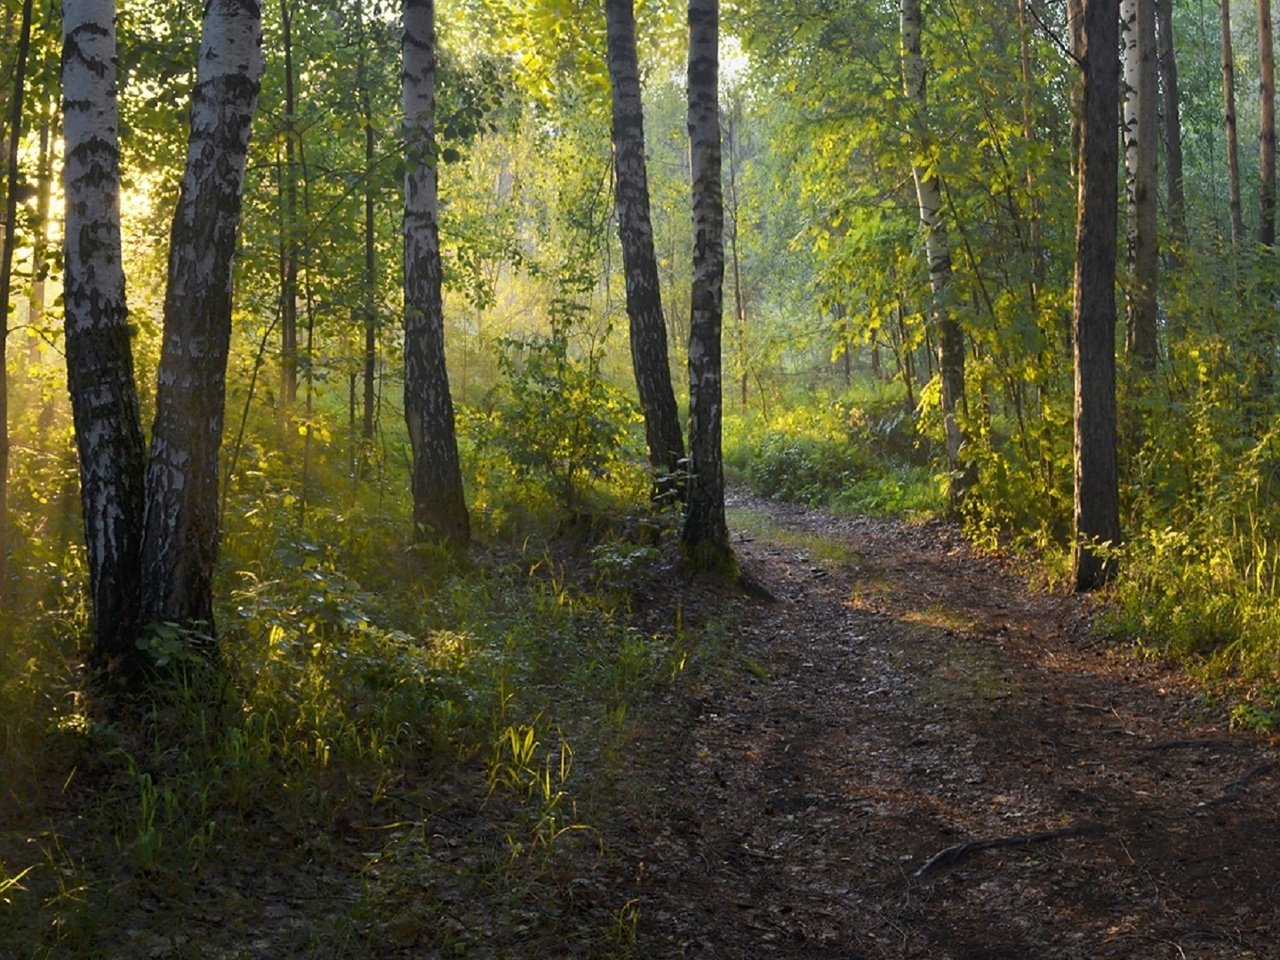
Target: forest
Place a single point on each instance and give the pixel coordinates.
(638, 479)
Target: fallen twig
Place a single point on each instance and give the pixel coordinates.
(959, 852)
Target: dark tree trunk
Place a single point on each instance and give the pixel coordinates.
(1267, 131)
(1233, 142)
(370, 310)
(649, 358)
(706, 534)
(13, 137)
(104, 397)
(1097, 511)
(180, 541)
(1172, 128)
(439, 507)
(289, 228)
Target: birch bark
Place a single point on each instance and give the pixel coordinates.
(950, 338)
(180, 538)
(706, 534)
(439, 507)
(104, 398)
(649, 357)
(1139, 35)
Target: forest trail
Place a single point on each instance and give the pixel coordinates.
(929, 760)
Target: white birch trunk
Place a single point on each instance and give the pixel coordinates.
(100, 378)
(181, 524)
(950, 339)
(439, 507)
(1138, 21)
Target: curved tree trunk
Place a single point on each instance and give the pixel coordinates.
(950, 338)
(1139, 37)
(439, 507)
(706, 534)
(180, 541)
(649, 358)
(1097, 501)
(104, 397)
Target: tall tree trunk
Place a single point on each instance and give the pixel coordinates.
(706, 534)
(649, 358)
(44, 202)
(180, 538)
(950, 338)
(1097, 501)
(1139, 36)
(1035, 242)
(370, 298)
(1267, 131)
(1229, 113)
(13, 136)
(1168, 63)
(439, 507)
(104, 396)
(734, 127)
(289, 227)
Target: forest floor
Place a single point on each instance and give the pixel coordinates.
(906, 753)
(931, 760)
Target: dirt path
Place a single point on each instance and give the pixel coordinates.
(909, 700)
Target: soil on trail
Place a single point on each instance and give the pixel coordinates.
(930, 760)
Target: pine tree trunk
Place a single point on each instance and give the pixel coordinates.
(1097, 511)
(180, 539)
(439, 507)
(1170, 100)
(1233, 143)
(950, 338)
(706, 534)
(1139, 36)
(104, 397)
(1267, 131)
(649, 356)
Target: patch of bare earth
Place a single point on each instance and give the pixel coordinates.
(927, 759)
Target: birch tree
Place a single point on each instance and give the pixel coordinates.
(439, 508)
(706, 534)
(1097, 502)
(949, 338)
(649, 357)
(1140, 116)
(180, 538)
(104, 398)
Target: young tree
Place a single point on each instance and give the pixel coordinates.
(1267, 131)
(1229, 108)
(706, 533)
(104, 398)
(1097, 501)
(950, 338)
(180, 535)
(649, 357)
(439, 508)
(289, 225)
(1139, 35)
(12, 138)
